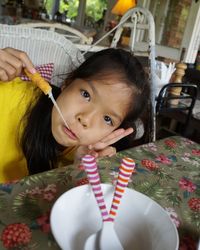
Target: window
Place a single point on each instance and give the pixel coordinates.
(91, 11)
(170, 20)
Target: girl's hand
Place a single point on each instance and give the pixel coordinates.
(103, 148)
(12, 62)
(110, 139)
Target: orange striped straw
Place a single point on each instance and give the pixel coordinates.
(125, 171)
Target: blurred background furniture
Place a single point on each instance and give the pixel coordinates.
(176, 121)
(177, 22)
(192, 75)
(70, 33)
(177, 108)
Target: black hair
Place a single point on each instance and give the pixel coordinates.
(39, 147)
(38, 144)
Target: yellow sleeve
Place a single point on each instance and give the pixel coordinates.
(15, 98)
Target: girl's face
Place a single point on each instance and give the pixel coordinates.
(92, 110)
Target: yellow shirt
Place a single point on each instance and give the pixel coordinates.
(15, 98)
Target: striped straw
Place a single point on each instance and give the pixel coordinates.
(90, 166)
(125, 171)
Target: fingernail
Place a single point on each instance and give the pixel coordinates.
(95, 154)
(32, 71)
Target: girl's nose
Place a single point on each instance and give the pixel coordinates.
(83, 121)
(87, 117)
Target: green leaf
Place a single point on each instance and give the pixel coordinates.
(162, 174)
(173, 197)
(27, 208)
(80, 174)
(151, 188)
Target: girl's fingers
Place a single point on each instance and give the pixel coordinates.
(83, 150)
(112, 138)
(105, 141)
(21, 59)
(12, 62)
(117, 136)
(3, 75)
(113, 135)
(8, 70)
(9, 63)
(108, 151)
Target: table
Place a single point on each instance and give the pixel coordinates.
(168, 171)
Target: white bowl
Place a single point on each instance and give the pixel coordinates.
(141, 224)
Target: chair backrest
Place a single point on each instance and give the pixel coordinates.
(170, 103)
(70, 33)
(43, 46)
(142, 30)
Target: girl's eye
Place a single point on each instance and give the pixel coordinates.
(108, 120)
(85, 94)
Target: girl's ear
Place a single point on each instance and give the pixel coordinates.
(62, 87)
(65, 84)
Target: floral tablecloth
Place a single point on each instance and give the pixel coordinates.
(168, 171)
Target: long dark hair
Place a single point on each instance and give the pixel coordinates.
(39, 147)
(38, 143)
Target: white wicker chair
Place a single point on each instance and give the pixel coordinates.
(70, 33)
(43, 47)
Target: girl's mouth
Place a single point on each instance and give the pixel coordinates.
(69, 133)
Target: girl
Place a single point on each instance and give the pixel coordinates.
(104, 93)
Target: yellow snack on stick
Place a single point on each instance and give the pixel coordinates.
(39, 81)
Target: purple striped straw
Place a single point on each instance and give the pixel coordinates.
(89, 163)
